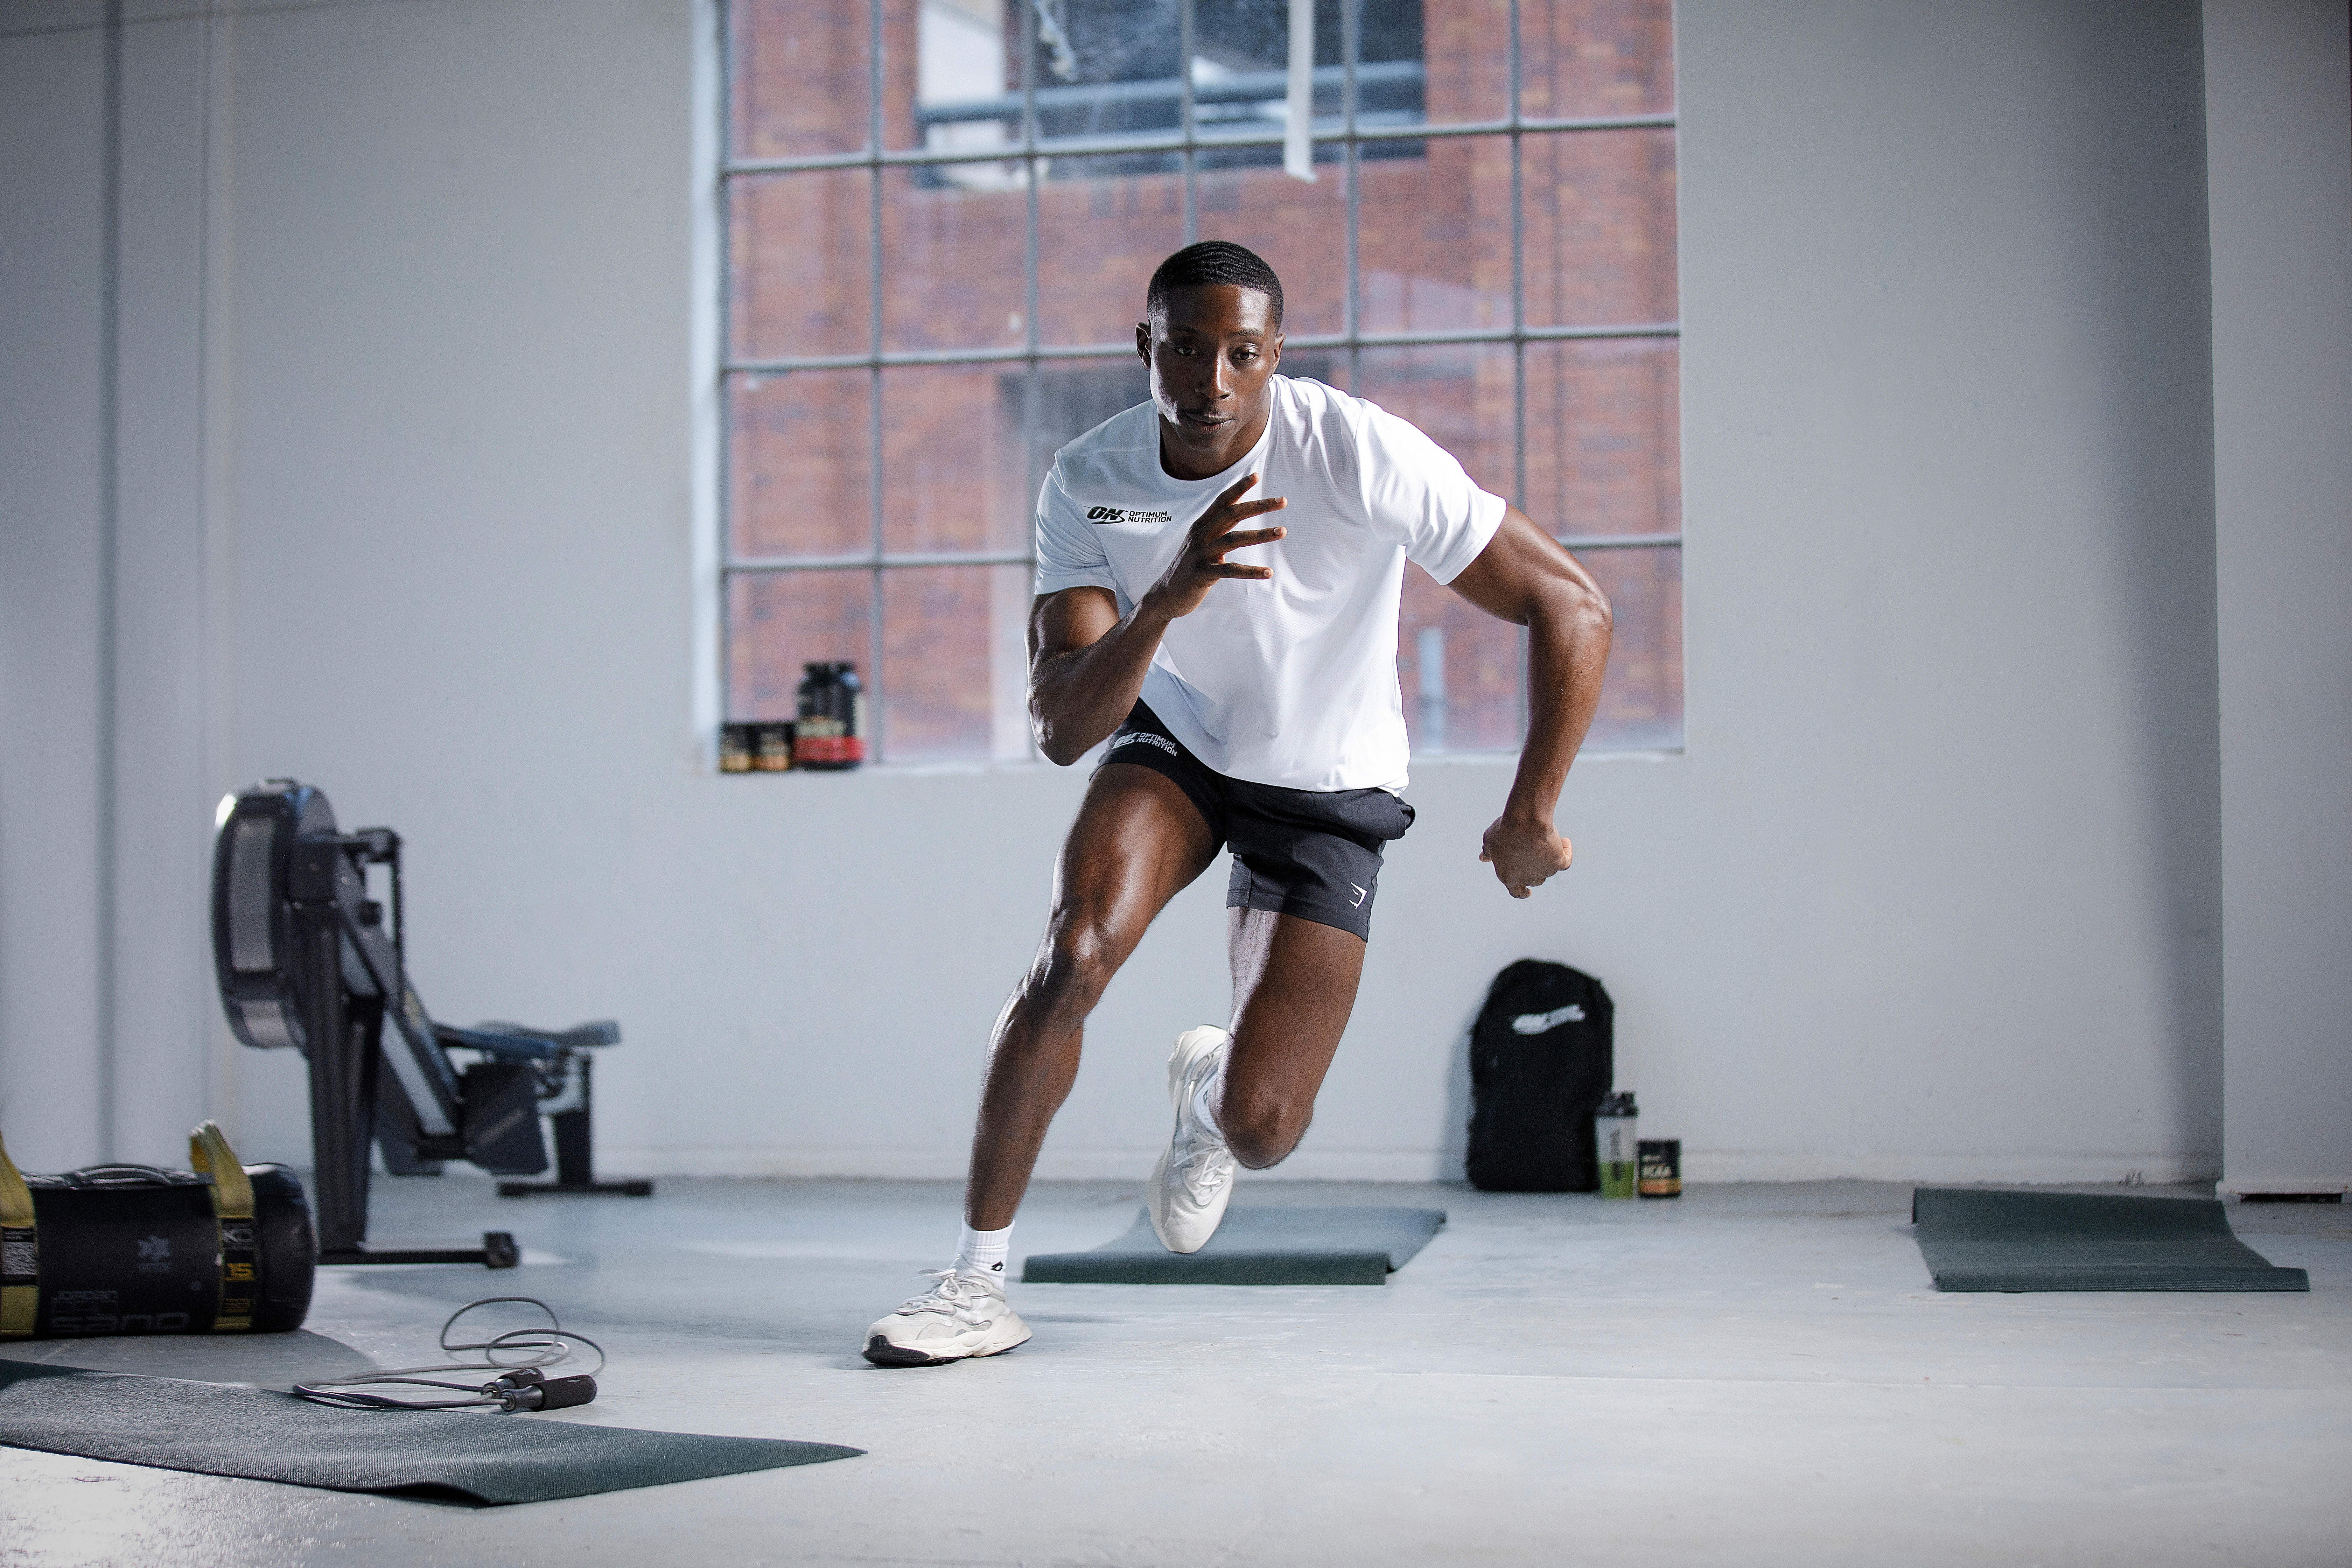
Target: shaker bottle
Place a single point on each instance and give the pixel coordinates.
(1613, 1142)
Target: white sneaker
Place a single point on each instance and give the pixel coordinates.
(1195, 1178)
(962, 1315)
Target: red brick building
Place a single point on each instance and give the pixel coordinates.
(963, 340)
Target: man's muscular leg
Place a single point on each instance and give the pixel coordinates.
(1294, 986)
(1138, 841)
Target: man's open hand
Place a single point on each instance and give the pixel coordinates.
(1200, 566)
(1524, 853)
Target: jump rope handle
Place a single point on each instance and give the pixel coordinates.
(555, 1394)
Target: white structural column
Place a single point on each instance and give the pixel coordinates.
(166, 1013)
(2280, 170)
(1298, 101)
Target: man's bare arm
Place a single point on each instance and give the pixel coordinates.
(1086, 662)
(1525, 577)
(1086, 668)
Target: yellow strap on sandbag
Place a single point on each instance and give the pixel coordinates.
(240, 1244)
(20, 1253)
(210, 1155)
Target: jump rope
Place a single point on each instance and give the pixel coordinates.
(519, 1357)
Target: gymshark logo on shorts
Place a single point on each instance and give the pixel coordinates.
(1360, 895)
(1540, 1023)
(1119, 514)
(1142, 737)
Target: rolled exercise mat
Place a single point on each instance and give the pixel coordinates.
(1979, 1240)
(230, 1429)
(1255, 1246)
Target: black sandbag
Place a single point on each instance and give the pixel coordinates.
(463, 1455)
(1975, 1239)
(134, 1249)
(1254, 1245)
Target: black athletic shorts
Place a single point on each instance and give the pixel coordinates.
(1311, 853)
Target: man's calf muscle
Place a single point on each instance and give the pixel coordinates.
(1136, 843)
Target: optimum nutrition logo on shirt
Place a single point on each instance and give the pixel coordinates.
(1118, 514)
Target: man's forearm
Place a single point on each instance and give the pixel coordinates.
(1076, 699)
(1568, 655)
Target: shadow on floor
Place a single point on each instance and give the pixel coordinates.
(272, 1359)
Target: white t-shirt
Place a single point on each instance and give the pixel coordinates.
(1290, 681)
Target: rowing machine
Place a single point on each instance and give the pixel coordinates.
(305, 962)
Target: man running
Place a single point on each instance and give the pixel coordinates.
(1244, 671)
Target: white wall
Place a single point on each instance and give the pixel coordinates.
(2281, 175)
(1934, 893)
(53, 454)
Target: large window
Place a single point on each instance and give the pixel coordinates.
(942, 216)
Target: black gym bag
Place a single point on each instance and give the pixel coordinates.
(1540, 1066)
(135, 1249)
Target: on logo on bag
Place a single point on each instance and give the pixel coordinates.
(1541, 1023)
(1119, 514)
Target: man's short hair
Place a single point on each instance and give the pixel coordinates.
(1213, 261)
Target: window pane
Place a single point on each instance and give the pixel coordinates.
(1583, 59)
(954, 468)
(1458, 668)
(1600, 228)
(778, 621)
(1075, 396)
(1241, 57)
(1641, 702)
(1328, 366)
(1460, 397)
(1097, 243)
(1469, 66)
(803, 284)
(1433, 242)
(954, 80)
(1106, 68)
(801, 79)
(1604, 446)
(1240, 62)
(1301, 229)
(955, 250)
(800, 471)
(954, 671)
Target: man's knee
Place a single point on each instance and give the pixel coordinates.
(1077, 962)
(1263, 1125)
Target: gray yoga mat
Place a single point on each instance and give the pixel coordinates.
(1255, 1246)
(1977, 1240)
(456, 1455)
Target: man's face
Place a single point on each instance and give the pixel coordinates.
(1210, 354)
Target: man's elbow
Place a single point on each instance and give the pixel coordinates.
(1583, 610)
(1053, 743)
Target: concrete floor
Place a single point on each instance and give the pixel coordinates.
(1754, 1374)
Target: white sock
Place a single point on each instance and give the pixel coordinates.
(984, 1252)
(1206, 1100)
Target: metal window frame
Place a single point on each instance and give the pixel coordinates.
(1187, 140)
